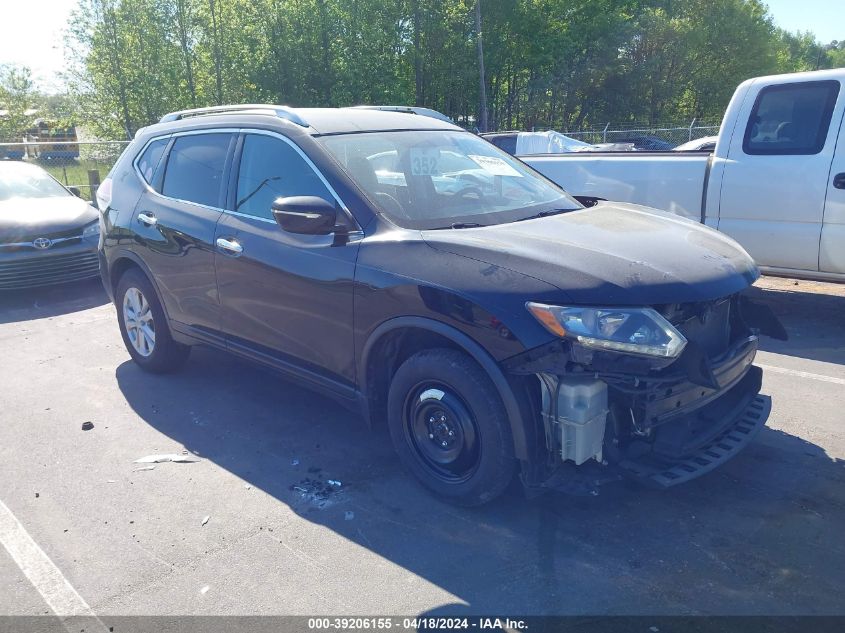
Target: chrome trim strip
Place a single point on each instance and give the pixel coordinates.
(53, 242)
(250, 217)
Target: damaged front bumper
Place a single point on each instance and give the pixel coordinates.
(662, 424)
(727, 426)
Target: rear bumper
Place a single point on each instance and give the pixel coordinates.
(66, 264)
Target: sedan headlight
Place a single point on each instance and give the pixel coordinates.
(641, 331)
(92, 230)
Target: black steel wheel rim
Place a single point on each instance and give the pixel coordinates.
(442, 432)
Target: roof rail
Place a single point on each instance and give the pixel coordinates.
(434, 114)
(283, 112)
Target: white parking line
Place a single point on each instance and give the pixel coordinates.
(803, 374)
(57, 592)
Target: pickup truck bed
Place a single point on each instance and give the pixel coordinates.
(775, 182)
(664, 180)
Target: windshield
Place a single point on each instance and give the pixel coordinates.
(436, 179)
(26, 181)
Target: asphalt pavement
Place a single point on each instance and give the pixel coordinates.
(251, 525)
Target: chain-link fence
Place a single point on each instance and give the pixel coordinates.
(655, 137)
(83, 164)
(78, 164)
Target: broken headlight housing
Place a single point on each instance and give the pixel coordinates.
(639, 331)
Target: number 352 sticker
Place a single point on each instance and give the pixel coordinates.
(424, 161)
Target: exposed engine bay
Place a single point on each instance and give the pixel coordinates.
(660, 419)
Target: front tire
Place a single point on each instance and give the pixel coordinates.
(144, 327)
(449, 427)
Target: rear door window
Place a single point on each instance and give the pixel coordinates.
(195, 167)
(791, 118)
(149, 160)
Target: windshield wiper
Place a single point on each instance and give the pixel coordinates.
(546, 213)
(465, 225)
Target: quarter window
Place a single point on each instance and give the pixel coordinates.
(195, 168)
(148, 163)
(270, 169)
(791, 118)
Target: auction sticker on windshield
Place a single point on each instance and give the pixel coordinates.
(424, 161)
(495, 165)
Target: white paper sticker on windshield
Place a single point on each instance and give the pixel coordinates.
(424, 161)
(495, 166)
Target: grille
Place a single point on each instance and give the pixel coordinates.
(51, 269)
(26, 245)
(706, 324)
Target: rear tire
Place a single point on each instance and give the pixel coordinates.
(144, 326)
(449, 427)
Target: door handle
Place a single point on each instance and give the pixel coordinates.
(230, 246)
(839, 181)
(147, 219)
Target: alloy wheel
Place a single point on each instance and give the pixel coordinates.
(138, 320)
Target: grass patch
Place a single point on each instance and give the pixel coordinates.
(74, 173)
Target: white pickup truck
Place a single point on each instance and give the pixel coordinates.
(775, 182)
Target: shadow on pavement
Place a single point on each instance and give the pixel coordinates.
(49, 301)
(760, 536)
(815, 323)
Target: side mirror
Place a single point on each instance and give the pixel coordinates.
(75, 191)
(307, 215)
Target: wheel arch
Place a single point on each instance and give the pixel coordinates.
(125, 260)
(396, 339)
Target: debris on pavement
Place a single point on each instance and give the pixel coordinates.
(318, 492)
(159, 459)
(349, 515)
(111, 481)
(294, 462)
(37, 495)
(87, 426)
(247, 486)
(153, 467)
(205, 519)
(204, 590)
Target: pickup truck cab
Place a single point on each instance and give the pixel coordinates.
(775, 182)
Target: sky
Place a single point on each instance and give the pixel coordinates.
(31, 30)
(825, 18)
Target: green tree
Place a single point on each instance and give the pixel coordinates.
(17, 96)
(547, 63)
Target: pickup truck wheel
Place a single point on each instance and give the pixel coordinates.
(449, 427)
(143, 325)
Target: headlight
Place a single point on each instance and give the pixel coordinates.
(92, 230)
(630, 330)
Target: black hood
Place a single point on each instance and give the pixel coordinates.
(611, 254)
(42, 217)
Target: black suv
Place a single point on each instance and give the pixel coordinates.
(435, 283)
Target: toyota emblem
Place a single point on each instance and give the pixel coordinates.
(42, 243)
